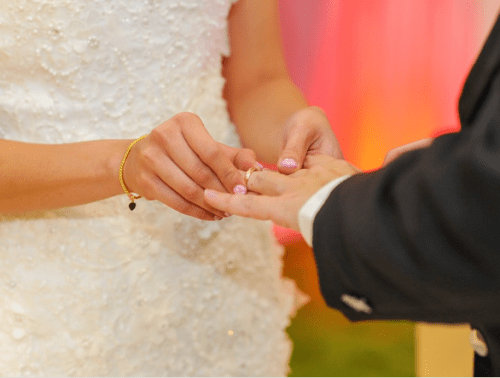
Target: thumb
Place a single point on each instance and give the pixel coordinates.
(294, 153)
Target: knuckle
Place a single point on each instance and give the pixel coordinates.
(212, 152)
(182, 207)
(189, 192)
(231, 176)
(180, 118)
(202, 174)
(185, 119)
(157, 134)
(163, 135)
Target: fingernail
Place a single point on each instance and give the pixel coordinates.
(259, 166)
(240, 189)
(289, 163)
(227, 215)
(217, 218)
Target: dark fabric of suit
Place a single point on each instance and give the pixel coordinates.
(420, 238)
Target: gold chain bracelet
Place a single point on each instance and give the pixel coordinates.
(132, 197)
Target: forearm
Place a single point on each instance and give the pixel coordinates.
(259, 92)
(40, 177)
(261, 113)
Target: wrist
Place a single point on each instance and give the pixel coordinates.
(129, 192)
(117, 149)
(309, 210)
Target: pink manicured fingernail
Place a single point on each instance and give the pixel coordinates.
(260, 166)
(289, 163)
(227, 214)
(240, 189)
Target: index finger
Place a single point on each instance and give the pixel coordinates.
(249, 206)
(210, 153)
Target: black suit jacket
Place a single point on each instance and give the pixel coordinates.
(420, 238)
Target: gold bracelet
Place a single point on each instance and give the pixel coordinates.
(132, 197)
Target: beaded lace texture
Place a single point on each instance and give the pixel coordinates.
(97, 290)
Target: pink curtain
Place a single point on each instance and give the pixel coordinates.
(386, 72)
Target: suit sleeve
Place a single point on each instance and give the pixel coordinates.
(419, 239)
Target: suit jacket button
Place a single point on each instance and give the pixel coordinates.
(478, 343)
(357, 304)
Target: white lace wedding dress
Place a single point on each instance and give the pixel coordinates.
(98, 290)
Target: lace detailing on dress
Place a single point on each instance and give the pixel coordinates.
(79, 70)
(153, 314)
(96, 289)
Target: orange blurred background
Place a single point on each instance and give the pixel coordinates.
(387, 73)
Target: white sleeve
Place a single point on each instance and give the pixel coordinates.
(309, 210)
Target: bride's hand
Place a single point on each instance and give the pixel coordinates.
(178, 160)
(306, 134)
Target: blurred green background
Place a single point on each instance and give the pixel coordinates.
(327, 344)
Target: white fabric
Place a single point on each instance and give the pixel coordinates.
(308, 211)
(98, 290)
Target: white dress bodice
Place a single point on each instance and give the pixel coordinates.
(96, 289)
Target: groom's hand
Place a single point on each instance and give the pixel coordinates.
(282, 196)
(307, 133)
(398, 151)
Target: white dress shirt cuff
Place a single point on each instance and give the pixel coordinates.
(309, 210)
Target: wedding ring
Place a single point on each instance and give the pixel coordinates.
(248, 174)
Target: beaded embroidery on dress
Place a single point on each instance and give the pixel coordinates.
(97, 290)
